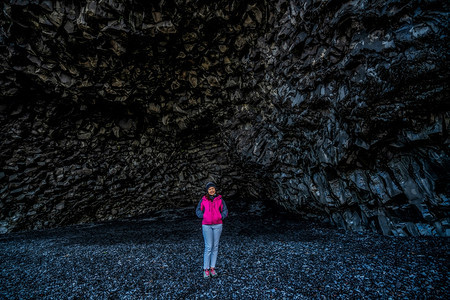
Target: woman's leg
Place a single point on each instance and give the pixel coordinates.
(209, 240)
(217, 231)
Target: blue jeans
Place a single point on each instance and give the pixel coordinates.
(211, 234)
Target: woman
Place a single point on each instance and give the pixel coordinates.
(212, 209)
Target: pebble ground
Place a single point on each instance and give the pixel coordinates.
(262, 255)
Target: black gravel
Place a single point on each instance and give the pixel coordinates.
(262, 256)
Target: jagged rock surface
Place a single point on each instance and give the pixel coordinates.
(331, 109)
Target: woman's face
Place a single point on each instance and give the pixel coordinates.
(212, 190)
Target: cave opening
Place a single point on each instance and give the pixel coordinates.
(323, 124)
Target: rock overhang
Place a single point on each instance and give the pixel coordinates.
(324, 108)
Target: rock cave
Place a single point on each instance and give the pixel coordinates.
(335, 111)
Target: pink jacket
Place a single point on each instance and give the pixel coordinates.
(212, 212)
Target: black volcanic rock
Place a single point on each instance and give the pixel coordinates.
(332, 110)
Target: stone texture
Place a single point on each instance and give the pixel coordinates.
(334, 110)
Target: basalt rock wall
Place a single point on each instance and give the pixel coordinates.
(335, 110)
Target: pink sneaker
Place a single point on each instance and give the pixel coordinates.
(213, 272)
(205, 273)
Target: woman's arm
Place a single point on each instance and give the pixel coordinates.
(224, 212)
(198, 210)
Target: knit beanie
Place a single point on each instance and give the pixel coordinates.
(210, 184)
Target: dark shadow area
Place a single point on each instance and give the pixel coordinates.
(250, 219)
